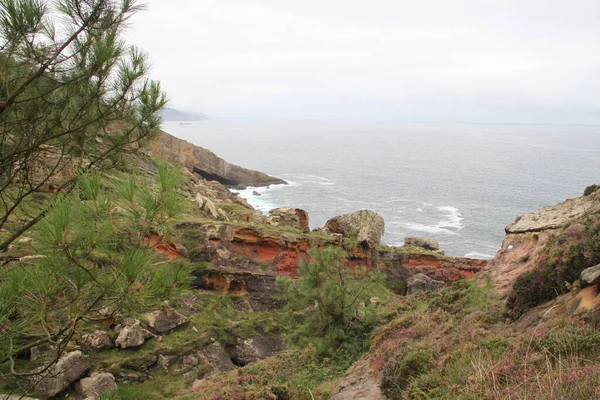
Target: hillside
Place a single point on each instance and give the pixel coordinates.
(210, 315)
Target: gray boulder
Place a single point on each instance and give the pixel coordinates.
(42, 355)
(208, 206)
(96, 341)
(191, 361)
(89, 388)
(58, 377)
(256, 348)
(366, 225)
(591, 274)
(421, 283)
(131, 335)
(216, 356)
(165, 320)
(424, 243)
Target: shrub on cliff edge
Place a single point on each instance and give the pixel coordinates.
(562, 263)
(330, 302)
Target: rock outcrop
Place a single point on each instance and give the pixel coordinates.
(96, 385)
(96, 341)
(527, 236)
(61, 375)
(164, 321)
(556, 217)
(359, 383)
(424, 243)
(228, 246)
(290, 217)
(131, 335)
(400, 264)
(207, 164)
(217, 358)
(366, 225)
(207, 206)
(591, 275)
(256, 348)
(584, 303)
(422, 283)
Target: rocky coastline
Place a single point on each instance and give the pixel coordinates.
(238, 254)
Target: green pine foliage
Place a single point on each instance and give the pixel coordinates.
(92, 260)
(330, 303)
(73, 94)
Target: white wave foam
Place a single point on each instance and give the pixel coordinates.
(449, 225)
(320, 178)
(326, 183)
(399, 200)
(475, 254)
(419, 209)
(427, 228)
(263, 202)
(290, 183)
(453, 218)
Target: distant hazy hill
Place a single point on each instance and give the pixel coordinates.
(172, 114)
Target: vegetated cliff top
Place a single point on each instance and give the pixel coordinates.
(207, 164)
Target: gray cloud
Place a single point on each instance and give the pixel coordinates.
(434, 60)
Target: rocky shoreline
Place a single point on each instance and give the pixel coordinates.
(237, 254)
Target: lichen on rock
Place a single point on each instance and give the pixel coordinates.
(366, 225)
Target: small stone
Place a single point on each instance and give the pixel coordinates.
(207, 206)
(374, 300)
(216, 356)
(421, 283)
(61, 375)
(424, 243)
(590, 275)
(165, 320)
(132, 335)
(191, 361)
(256, 348)
(96, 341)
(166, 360)
(42, 354)
(95, 385)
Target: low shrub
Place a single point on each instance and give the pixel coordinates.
(402, 368)
(563, 261)
(590, 189)
(570, 340)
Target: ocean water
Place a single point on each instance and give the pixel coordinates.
(460, 184)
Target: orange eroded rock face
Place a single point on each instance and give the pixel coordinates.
(282, 253)
(160, 245)
(519, 254)
(444, 269)
(528, 235)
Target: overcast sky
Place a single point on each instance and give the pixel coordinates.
(508, 61)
